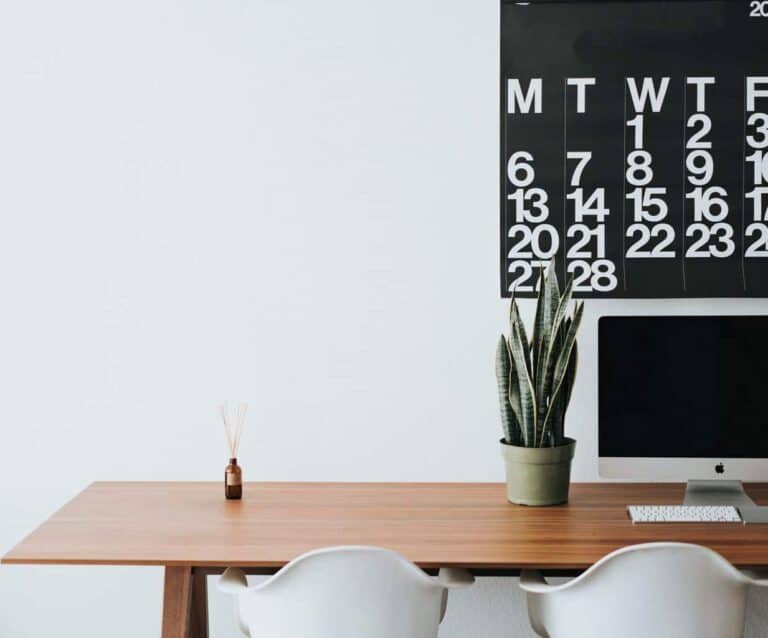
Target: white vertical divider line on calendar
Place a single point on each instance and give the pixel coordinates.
(744, 189)
(624, 189)
(683, 228)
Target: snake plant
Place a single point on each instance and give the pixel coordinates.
(535, 377)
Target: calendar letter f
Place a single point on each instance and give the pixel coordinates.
(754, 92)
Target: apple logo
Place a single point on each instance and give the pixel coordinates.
(719, 468)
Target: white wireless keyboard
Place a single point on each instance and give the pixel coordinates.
(683, 514)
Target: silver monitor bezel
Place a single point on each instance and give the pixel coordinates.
(682, 469)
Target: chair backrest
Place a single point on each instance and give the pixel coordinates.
(344, 592)
(664, 590)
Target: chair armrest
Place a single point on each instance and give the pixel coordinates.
(757, 577)
(454, 577)
(533, 582)
(233, 581)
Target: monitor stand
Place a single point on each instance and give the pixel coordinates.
(717, 493)
(725, 493)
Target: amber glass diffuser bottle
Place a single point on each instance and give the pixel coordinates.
(233, 474)
(233, 480)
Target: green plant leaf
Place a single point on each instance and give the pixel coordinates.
(516, 319)
(537, 320)
(558, 412)
(561, 368)
(570, 376)
(546, 308)
(555, 345)
(508, 420)
(549, 300)
(514, 400)
(516, 325)
(557, 426)
(521, 389)
(562, 306)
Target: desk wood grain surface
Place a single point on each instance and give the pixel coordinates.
(433, 524)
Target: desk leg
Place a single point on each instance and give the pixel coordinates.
(185, 604)
(199, 621)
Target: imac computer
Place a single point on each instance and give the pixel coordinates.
(685, 399)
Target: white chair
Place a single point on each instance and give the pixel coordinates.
(664, 590)
(344, 592)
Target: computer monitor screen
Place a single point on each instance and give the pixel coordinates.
(683, 388)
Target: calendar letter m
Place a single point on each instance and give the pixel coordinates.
(517, 101)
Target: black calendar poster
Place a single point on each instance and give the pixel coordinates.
(634, 147)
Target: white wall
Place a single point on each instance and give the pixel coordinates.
(290, 203)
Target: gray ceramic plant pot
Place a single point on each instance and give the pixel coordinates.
(538, 476)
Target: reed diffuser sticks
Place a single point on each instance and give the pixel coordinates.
(233, 428)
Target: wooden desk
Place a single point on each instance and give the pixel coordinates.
(192, 531)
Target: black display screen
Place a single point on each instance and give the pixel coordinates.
(634, 147)
(683, 387)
